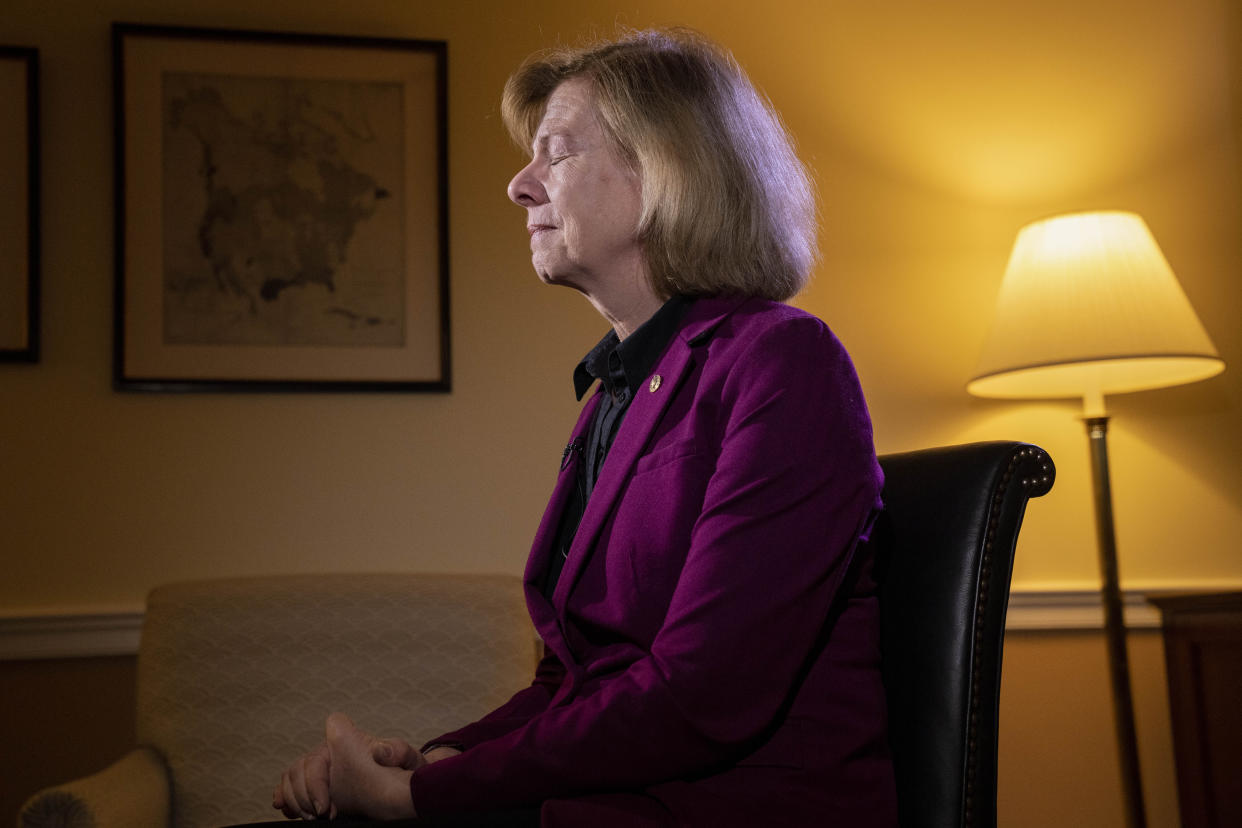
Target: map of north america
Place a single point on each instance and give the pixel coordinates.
(282, 211)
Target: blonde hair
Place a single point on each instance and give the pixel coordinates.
(727, 207)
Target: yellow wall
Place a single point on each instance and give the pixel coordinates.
(1057, 759)
(935, 130)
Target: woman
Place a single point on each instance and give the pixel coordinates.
(709, 617)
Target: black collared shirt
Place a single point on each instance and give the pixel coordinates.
(622, 367)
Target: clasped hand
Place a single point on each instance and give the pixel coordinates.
(350, 772)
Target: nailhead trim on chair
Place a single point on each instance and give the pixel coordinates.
(1034, 486)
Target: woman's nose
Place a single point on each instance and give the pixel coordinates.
(525, 190)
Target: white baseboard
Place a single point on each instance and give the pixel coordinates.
(1079, 609)
(70, 634)
(111, 632)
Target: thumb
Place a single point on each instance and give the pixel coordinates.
(396, 753)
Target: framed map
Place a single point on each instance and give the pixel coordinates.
(19, 204)
(281, 211)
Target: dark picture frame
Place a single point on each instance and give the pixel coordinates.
(281, 211)
(19, 205)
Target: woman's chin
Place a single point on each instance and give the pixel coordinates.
(549, 277)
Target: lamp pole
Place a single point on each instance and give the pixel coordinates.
(1114, 624)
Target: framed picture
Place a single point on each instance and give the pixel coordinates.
(19, 204)
(282, 211)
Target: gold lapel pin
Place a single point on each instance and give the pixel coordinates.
(655, 383)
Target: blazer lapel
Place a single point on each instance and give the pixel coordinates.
(640, 421)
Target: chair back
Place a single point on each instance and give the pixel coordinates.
(944, 549)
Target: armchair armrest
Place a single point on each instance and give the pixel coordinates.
(133, 792)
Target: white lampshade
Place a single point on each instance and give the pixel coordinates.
(1088, 307)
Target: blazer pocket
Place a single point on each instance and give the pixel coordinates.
(664, 455)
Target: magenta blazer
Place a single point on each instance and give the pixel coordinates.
(712, 643)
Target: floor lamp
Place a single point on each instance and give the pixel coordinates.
(1090, 307)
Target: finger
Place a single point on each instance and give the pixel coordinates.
(297, 778)
(306, 784)
(297, 790)
(315, 777)
(289, 806)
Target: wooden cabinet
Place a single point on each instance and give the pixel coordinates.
(1203, 654)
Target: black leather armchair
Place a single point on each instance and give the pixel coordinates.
(945, 546)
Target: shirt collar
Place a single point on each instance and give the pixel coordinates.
(627, 362)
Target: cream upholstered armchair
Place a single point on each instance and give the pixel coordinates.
(235, 678)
